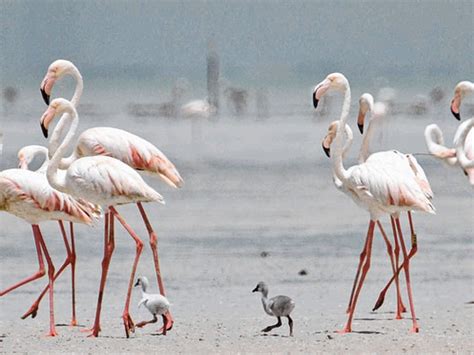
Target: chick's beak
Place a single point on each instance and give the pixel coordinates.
(255, 289)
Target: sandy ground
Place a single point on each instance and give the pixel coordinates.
(274, 195)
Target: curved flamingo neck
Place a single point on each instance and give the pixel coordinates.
(338, 167)
(58, 181)
(435, 142)
(60, 127)
(459, 141)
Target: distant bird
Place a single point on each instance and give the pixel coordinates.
(154, 302)
(377, 186)
(104, 181)
(198, 109)
(25, 156)
(132, 150)
(278, 306)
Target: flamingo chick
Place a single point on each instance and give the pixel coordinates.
(155, 303)
(278, 306)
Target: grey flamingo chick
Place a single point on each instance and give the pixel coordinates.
(154, 302)
(278, 306)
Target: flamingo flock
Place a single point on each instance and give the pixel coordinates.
(104, 172)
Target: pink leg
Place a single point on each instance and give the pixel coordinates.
(356, 279)
(154, 248)
(414, 249)
(52, 328)
(400, 307)
(33, 310)
(108, 250)
(73, 274)
(415, 328)
(394, 269)
(127, 319)
(40, 273)
(365, 269)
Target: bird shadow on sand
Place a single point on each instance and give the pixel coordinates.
(69, 325)
(272, 335)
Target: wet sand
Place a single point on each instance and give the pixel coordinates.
(271, 191)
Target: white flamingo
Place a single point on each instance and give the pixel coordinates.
(378, 189)
(116, 143)
(102, 180)
(462, 154)
(28, 195)
(25, 156)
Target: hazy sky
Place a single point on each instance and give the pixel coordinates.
(271, 38)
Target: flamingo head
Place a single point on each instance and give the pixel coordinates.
(459, 92)
(328, 139)
(366, 104)
(336, 81)
(261, 287)
(56, 70)
(27, 154)
(56, 107)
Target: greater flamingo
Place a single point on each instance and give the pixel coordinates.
(116, 143)
(29, 196)
(378, 189)
(25, 156)
(463, 152)
(105, 181)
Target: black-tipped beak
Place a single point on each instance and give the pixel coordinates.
(44, 130)
(315, 101)
(255, 289)
(457, 115)
(361, 128)
(137, 284)
(327, 151)
(46, 97)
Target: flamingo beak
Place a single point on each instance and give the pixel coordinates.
(326, 148)
(137, 283)
(46, 119)
(320, 90)
(22, 164)
(255, 289)
(455, 103)
(360, 121)
(47, 86)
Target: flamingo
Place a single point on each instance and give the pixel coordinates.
(463, 152)
(104, 181)
(378, 188)
(27, 195)
(25, 156)
(132, 150)
(412, 167)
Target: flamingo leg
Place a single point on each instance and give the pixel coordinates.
(108, 250)
(33, 310)
(154, 248)
(394, 269)
(127, 319)
(145, 322)
(52, 328)
(414, 249)
(415, 328)
(400, 307)
(40, 273)
(356, 279)
(365, 268)
(73, 274)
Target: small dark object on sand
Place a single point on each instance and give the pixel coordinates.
(330, 337)
(303, 272)
(264, 254)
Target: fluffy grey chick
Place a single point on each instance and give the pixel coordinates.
(155, 303)
(278, 306)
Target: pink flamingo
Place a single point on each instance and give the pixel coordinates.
(377, 188)
(27, 195)
(105, 181)
(25, 156)
(463, 152)
(116, 143)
